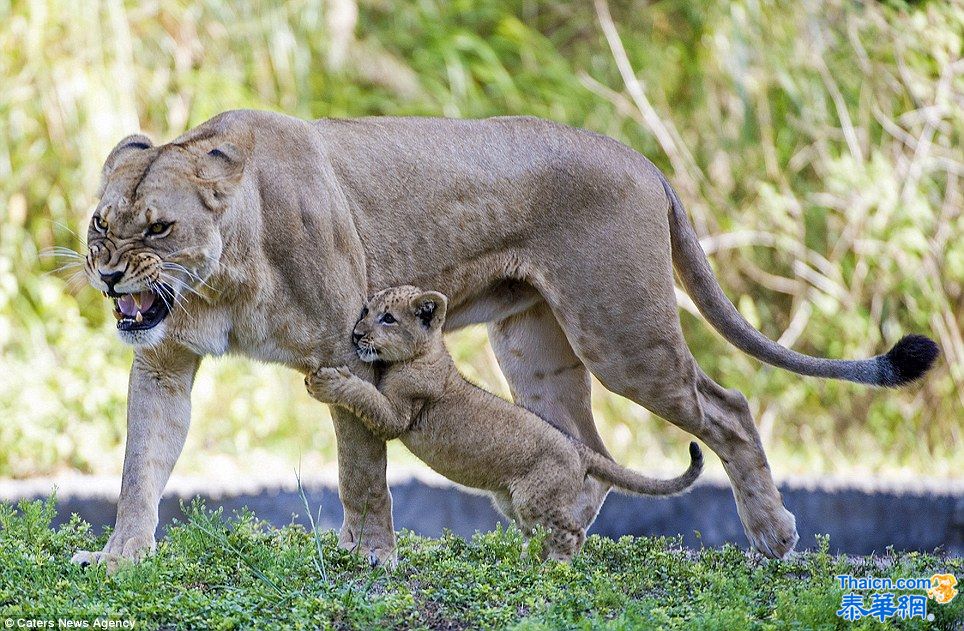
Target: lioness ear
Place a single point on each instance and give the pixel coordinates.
(220, 170)
(429, 307)
(224, 160)
(124, 149)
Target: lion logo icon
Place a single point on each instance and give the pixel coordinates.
(942, 588)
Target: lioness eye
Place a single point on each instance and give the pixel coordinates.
(99, 224)
(387, 318)
(158, 227)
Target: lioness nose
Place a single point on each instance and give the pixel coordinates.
(111, 278)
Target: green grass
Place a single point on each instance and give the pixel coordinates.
(215, 573)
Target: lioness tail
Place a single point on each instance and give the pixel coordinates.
(907, 361)
(628, 480)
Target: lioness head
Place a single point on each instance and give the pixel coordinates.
(155, 237)
(399, 323)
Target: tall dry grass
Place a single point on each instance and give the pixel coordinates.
(817, 149)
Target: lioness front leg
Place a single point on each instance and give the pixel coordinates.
(338, 386)
(158, 417)
(363, 490)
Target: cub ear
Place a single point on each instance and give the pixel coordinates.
(124, 149)
(429, 307)
(219, 171)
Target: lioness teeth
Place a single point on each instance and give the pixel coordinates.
(130, 304)
(140, 310)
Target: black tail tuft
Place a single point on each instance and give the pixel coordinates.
(696, 455)
(908, 360)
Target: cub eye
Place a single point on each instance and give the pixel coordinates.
(364, 312)
(158, 228)
(387, 318)
(99, 224)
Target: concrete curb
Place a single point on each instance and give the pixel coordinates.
(860, 520)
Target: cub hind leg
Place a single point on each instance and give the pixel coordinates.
(551, 506)
(566, 537)
(503, 504)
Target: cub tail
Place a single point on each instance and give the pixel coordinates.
(636, 483)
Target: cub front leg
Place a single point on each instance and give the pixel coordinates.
(338, 386)
(158, 417)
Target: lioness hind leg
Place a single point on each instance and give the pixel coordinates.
(721, 418)
(629, 335)
(730, 431)
(547, 377)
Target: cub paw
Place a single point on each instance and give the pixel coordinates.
(324, 383)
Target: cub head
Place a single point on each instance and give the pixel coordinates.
(399, 323)
(156, 235)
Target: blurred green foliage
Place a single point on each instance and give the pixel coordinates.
(817, 147)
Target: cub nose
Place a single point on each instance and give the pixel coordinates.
(111, 278)
(356, 336)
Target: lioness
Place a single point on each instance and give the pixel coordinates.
(261, 234)
(534, 471)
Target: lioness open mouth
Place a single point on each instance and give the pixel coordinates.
(142, 310)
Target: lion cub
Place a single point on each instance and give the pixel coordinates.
(533, 470)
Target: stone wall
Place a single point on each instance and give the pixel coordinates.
(859, 520)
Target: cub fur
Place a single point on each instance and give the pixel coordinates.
(533, 471)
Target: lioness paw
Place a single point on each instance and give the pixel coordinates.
(380, 551)
(116, 554)
(112, 562)
(773, 533)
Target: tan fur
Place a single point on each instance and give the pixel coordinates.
(562, 240)
(534, 471)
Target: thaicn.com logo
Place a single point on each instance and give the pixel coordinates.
(886, 600)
